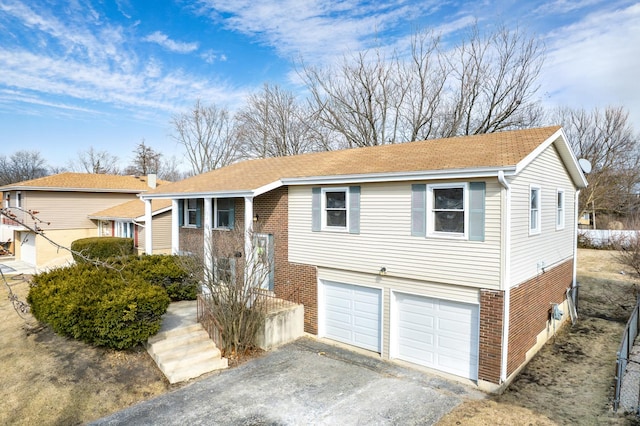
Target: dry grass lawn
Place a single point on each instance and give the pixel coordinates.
(50, 380)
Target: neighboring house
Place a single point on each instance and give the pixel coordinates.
(128, 221)
(63, 203)
(449, 254)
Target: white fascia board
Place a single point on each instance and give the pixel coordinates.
(402, 176)
(187, 195)
(559, 138)
(154, 213)
(62, 189)
(266, 188)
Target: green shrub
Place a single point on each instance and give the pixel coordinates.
(101, 248)
(162, 270)
(100, 306)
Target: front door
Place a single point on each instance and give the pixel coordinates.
(263, 256)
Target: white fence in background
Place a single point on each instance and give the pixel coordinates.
(606, 237)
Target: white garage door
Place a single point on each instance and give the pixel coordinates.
(352, 314)
(438, 333)
(28, 247)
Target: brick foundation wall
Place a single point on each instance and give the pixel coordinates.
(530, 308)
(490, 345)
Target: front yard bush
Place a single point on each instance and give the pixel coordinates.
(101, 248)
(162, 270)
(101, 306)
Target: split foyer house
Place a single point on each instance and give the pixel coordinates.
(64, 204)
(452, 254)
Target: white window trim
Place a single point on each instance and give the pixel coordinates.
(560, 210)
(323, 200)
(431, 217)
(538, 230)
(215, 215)
(186, 213)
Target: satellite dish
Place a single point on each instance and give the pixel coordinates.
(585, 165)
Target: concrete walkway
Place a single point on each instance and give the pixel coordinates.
(306, 382)
(10, 266)
(630, 386)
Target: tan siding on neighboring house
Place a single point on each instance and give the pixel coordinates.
(69, 210)
(551, 246)
(161, 234)
(385, 240)
(49, 256)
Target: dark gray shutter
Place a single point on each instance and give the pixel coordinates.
(476, 210)
(419, 209)
(181, 212)
(272, 264)
(316, 214)
(199, 208)
(354, 209)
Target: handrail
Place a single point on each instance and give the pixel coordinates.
(626, 345)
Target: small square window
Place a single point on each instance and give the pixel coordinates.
(447, 210)
(224, 209)
(336, 208)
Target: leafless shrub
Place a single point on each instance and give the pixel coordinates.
(231, 273)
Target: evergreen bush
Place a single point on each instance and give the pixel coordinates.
(98, 305)
(101, 248)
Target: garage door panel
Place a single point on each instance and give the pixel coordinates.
(437, 333)
(353, 314)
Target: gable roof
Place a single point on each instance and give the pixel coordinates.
(84, 182)
(130, 210)
(477, 155)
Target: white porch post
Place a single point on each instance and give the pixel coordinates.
(248, 227)
(208, 249)
(175, 226)
(148, 227)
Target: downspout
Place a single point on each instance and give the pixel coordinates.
(506, 275)
(574, 281)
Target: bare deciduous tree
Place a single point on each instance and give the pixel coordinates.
(206, 132)
(93, 161)
(485, 84)
(492, 83)
(274, 124)
(145, 160)
(607, 140)
(22, 165)
(235, 305)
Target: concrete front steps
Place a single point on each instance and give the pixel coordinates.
(182, 349)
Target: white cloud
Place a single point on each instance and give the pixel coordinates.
(315, 29)
(594, 61)
(174, 46)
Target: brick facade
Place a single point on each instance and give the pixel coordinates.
(530, 309)
(294, 282)
(490, 345)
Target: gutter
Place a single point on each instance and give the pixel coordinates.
(505, 279)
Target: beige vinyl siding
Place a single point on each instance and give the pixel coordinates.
(69, 210)
(385, 240)
(550, 246)
(161, 234)
(389, 284)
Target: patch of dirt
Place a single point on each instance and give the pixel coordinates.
(51, 380)
(570, 381)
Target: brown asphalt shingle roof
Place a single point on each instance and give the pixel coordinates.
(85, 181)
(479, 151)
(130, 210)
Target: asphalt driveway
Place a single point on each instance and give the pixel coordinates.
(305, 382)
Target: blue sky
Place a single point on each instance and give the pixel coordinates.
(109, 73)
